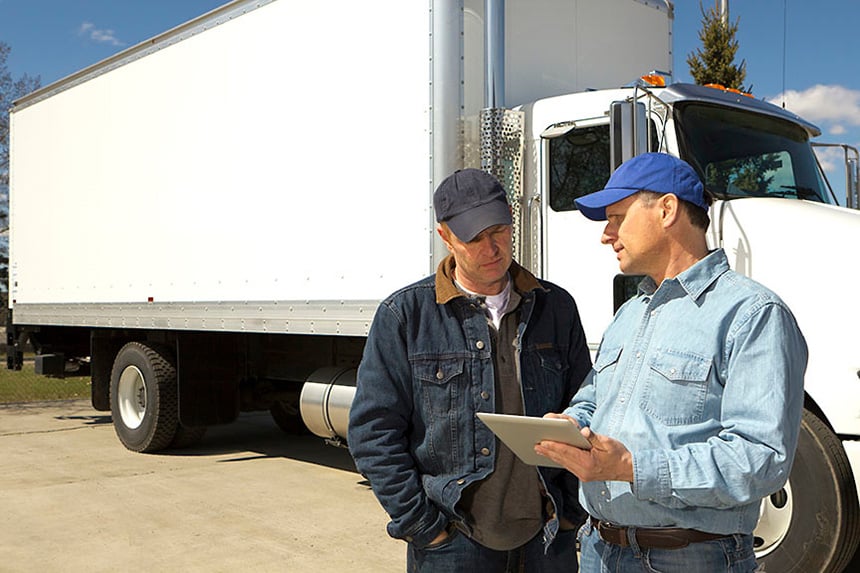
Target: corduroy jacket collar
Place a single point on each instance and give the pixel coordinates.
(446, 290)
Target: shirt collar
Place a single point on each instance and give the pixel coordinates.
(696, 279)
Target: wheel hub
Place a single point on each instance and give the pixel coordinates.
(131, 397)
(774, 521)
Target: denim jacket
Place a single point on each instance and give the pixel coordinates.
(427, 369)
(702, 380)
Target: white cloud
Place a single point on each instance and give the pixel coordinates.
(835, 108)
(89, 30)
(825, 103)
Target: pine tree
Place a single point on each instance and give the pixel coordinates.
(713, 63)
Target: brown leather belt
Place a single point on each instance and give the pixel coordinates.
(652, 538)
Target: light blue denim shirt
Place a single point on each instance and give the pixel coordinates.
(702, 380)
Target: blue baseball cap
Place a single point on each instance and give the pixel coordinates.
(469, 201)
(657, 172)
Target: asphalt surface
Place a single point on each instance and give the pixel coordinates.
(247, 498)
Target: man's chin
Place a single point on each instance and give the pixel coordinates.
(626, 268)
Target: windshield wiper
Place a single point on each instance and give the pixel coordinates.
(800, 192)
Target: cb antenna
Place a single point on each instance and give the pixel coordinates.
(784, 35)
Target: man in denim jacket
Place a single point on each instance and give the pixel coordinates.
(693, 407)
(481, 335)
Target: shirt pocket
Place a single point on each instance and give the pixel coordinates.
(676, 387)
(606, 359)
(604, 369)
(438, 384)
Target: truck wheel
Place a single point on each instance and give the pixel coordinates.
(813, 524)
(143, 397)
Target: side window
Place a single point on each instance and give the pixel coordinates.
(578, 165)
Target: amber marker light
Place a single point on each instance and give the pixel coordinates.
(730, 90)
(655, 80)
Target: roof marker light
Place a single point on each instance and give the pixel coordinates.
(653, 79)
(730, 90)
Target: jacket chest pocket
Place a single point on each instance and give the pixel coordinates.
(676, 387)
(544, 376)
(439, 383)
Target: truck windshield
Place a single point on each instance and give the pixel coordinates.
(743, 154)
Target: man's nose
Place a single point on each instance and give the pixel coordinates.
(608, 236)
(489, 244)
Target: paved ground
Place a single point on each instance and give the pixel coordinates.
(248, 498)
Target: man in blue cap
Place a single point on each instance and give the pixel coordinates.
(693, 406)
(481, 335)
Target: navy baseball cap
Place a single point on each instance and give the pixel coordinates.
(469, 201)
(657, 172)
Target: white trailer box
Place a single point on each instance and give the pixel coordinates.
(280, 154)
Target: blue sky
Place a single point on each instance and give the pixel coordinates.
(797, 52)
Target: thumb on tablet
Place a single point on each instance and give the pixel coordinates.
(560, 417)
(587, 433)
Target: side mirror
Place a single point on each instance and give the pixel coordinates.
(628, 131)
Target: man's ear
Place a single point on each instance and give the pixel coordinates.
(443, 232)
(670, 209)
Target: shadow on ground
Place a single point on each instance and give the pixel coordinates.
(87, 420)
(254, 435)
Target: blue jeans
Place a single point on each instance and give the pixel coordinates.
(731, 554)
(459, 554)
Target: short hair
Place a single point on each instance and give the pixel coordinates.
(698, 217)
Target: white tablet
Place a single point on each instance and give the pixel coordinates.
(521, 433)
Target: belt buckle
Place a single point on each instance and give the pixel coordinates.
(617, 534)
(605, 525)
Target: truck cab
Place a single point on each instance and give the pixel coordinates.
(779, 222)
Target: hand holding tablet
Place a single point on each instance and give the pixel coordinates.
(521, 433)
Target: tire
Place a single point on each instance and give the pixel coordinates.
(813, 524)
(144, 398)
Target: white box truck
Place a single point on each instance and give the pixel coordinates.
(205, 222)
